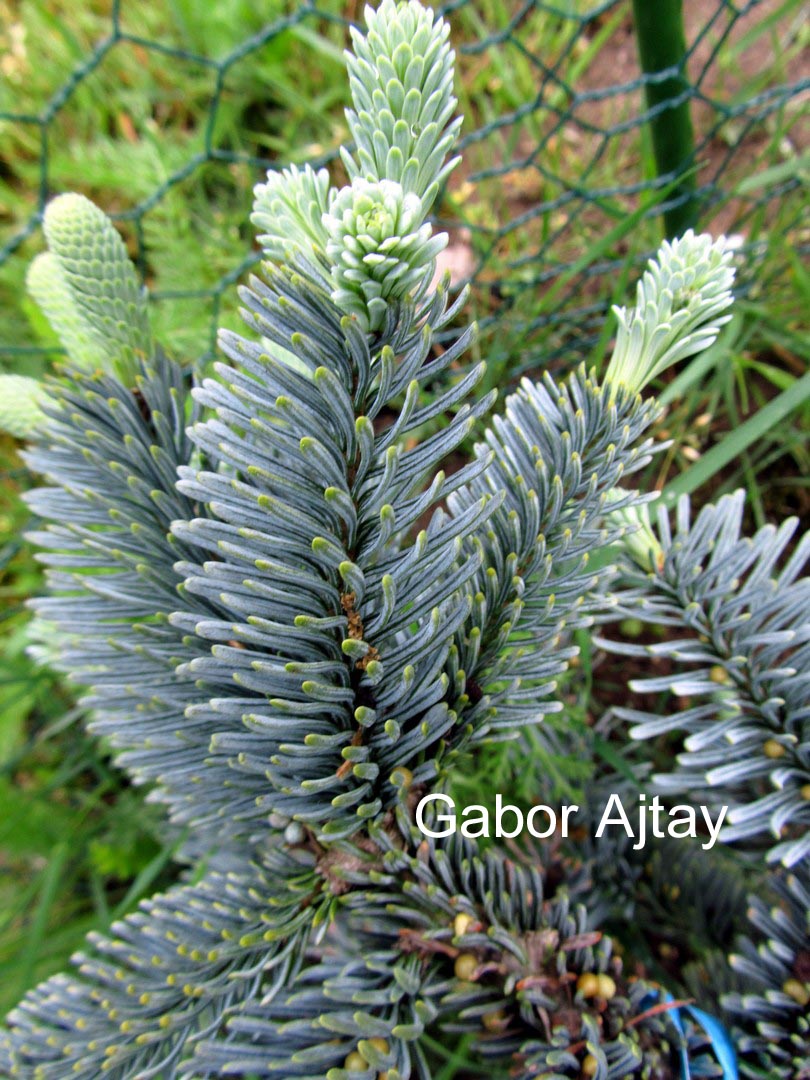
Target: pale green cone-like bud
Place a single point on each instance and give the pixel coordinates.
(48, 287)
(679, 309)
(289, 208)
(401, 80)
(380, 248)
(102, 279)
(639, 539)
(20, 401)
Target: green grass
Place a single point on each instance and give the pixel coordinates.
(77, 844)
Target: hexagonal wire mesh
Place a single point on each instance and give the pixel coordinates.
(171, 116)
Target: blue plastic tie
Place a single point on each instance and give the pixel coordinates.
(719, 1038)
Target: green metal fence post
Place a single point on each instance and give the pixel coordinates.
(662, 48)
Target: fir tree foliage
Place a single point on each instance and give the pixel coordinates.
(775, 961)
(291, 622)
(741, 655)
(475, 945)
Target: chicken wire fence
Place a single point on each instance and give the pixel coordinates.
(170, 117)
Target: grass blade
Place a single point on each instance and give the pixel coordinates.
(738, 440)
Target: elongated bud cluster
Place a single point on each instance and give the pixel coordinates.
(681, 304)
(372, 237)
(20, 412)
(289, 208)
(401, 79)
(89, 290)
(380, 247)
